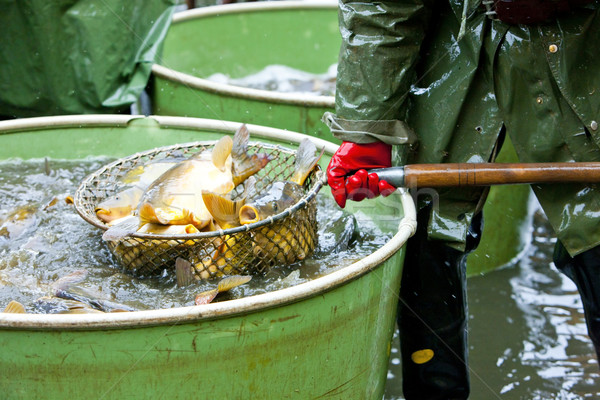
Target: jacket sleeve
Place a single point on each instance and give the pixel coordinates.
(380, 47)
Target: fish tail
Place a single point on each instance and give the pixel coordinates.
(121, 230)
(224, 211)
(306, 160)
(244, 164)
(221, 151)
(184, 272)
(232, 281)
(14, 307)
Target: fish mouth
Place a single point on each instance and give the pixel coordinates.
(248, 215)
(103, 214)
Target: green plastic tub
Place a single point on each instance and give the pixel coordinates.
(239, 40)
(326, 338)
(242, 39)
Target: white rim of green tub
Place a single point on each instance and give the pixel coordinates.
(237, 91)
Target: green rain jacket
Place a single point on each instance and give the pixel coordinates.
(76, 56)
(407, 67)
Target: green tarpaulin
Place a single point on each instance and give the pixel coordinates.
(77, 56)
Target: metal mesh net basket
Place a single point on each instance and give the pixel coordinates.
(281, 239)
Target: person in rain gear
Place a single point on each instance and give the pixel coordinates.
(445, 81)
(76, 56)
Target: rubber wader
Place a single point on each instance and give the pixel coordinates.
(432, 315)
(584, 270)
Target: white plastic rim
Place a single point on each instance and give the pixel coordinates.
(406, 228)
(194, 82)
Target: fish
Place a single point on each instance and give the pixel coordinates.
(67, 298)
(280, 242)
(119, 206)
(274, 242)
(65, 288)
(66, 281)
(185, 277)
(84, 297)
(282, 194)
(125, 202)
(175, 197)
(231, 253)
(18, 221)
(56, 305)
(144, 175)
(224, 285)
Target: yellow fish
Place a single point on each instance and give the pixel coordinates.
(125, 202)
(18, 221)
(175, 197)
(272, 241)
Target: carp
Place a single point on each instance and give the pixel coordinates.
(175, 197)
(125, 202)
(277, 242)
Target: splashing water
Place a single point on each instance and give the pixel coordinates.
(54, 241)
(281, 78)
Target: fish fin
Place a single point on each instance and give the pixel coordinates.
(221, 151)
(305, 161)
(166, 216)
(250, 190)
(50, 203)
(119, 220)
(211, 227)
(206, 297)
(232, 281)
(121, 230)
(223, 210)
(183, 272)
(190, 229)
(240, 142)
(133, 175)
(14, 307)
(244, 164)
(68, 280)
(76, 309)
(147, 213)
(190, 217)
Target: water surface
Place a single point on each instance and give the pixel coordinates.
(44, 239)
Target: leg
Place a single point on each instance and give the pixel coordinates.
(432, 316)
(584, 270)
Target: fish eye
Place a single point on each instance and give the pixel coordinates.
(274, 206)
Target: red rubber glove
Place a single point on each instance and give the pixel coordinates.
(347, 175)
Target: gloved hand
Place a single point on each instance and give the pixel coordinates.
(347, 175)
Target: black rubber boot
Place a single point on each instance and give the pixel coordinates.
(432, 316)
(584, 270)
